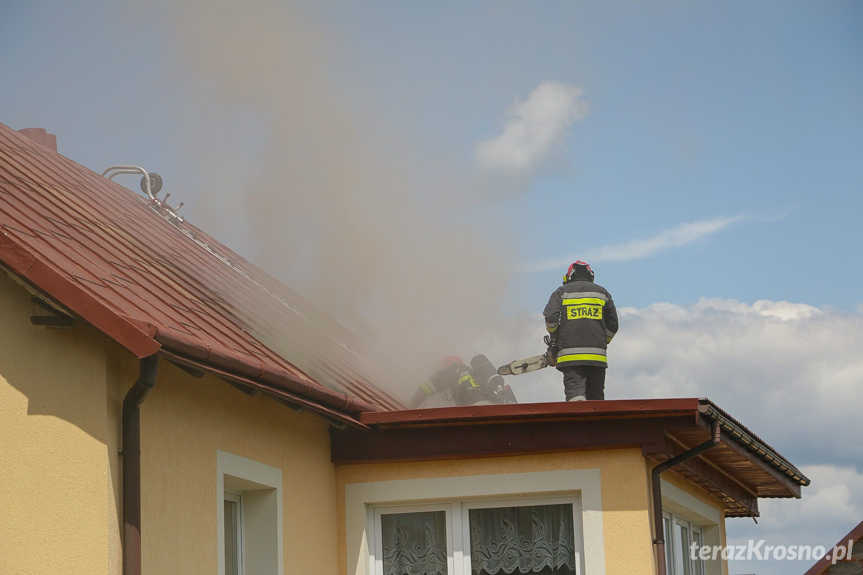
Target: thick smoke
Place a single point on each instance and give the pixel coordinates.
(319, 201)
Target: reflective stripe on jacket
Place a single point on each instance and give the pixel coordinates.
(582, 316)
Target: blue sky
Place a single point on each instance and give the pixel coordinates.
(706, 158)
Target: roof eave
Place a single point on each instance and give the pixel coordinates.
(29, 268)
(734, 433)
(479, 414)
(143, 340)
(745, 438)
(659, 427)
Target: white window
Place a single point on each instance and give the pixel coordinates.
(414, 540)
(680, 536)
(233, 533)
(688, 520)
(480, 537)
(538, 523)
(249, 516)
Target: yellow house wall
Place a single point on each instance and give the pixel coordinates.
(58, 469)
(625, 496)
(184, 422)
(61, 395)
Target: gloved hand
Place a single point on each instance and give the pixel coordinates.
(551, 343)
(551, 352)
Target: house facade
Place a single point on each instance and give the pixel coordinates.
(166, 407)
(644, 481)
(61, 492)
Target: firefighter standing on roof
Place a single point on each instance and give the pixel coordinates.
(581, 321)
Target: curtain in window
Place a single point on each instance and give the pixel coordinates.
(669, 545)
(414, 543)
(535, 539)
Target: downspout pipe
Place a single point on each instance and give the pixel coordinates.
(656, 486)
(148, 369)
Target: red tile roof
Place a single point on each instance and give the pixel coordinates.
(156, 284)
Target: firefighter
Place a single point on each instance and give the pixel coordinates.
(581, 321)
(476, 384)
(491, 381)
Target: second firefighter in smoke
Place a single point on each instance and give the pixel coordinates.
(455, 381)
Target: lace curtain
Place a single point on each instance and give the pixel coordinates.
(536, 539)
(414, 543)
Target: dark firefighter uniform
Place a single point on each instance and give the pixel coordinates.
(581, 319)
(478, 383)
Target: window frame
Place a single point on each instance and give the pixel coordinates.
(572, 500)
(581, 487)
(458, 527)
(376, 540)
(259, 487)
(678, 558)
(681, 506)
(237, 529)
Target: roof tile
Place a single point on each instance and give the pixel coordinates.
(148, 280)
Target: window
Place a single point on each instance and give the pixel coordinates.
(688, 520)
(443, 507)
(478, 538)
(233, 534)
(249, 516)
(680, 535)
(527, 538)
(413, 542)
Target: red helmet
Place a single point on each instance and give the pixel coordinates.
(449, 361)
(578, 268)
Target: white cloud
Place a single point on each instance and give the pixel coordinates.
(835, 499)
(673, 238)
(534, 127)
(791, 372)
(828, 510)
